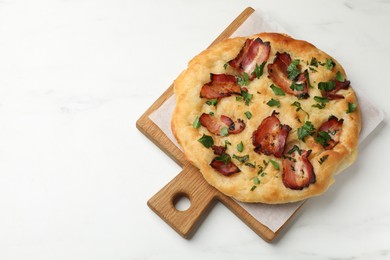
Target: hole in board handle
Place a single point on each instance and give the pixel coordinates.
(181, 202)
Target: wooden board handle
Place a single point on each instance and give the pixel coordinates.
(191, 184)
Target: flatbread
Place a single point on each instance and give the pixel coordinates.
(262, 177)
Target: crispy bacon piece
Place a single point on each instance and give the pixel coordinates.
(220, 86)
(218, 150)
(298, 172)
(254, 51)
(270, 137)
(333, 127)
(226, 169)
(331, 95)
(278, 74)
(214, 125)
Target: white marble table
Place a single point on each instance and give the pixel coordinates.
(75, 173)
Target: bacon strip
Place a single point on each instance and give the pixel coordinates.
(220, 85)
(254, 51)
(278, 74)
(214, 125)
(270, 137)
(218, 150)
(298, 172)
(331, 95)
(333, 127)
(226, 169)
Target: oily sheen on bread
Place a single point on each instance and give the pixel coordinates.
(266, 118)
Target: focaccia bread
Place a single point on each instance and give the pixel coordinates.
(267, 118)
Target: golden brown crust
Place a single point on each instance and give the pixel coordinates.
(271, 190)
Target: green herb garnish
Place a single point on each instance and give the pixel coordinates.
(273, 103)
(212, 102)
(224, 131)
(241, 159)
(247, 97)
(299, 107)
(196, 123)
(240, 147)
(258, 70)
(295, 148)
(327, 86)
(224, 158)
(243, 80)
(277, 91)
(250, 164)
(351, 107)
(292, 70)
(275, 164)
(297, 87)
(253, 187)
(256, 180)
(305, 130)
(225, 66)
(321, 102)
(248, 114)
(340, 77)
(206, 140)
(329, 64)
(323, 138)
(314, 62)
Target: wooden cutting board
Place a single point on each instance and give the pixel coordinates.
(189, 182)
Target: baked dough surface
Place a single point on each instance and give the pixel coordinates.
(271, 189)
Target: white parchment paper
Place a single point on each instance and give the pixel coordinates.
(272, 216)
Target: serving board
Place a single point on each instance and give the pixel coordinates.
(189, 182)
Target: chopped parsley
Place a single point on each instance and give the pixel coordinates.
(297, 87)
(327, 86)
(212, 102)
(243, 80)
(314, 62)
(247, 97)
(256, 180)
(340, 77)
(248, 114)
(196, 123)
(224, 158)
(323, 138)
(206, 140)
(275, 164)
(329, 64)
(273, 103)
(253, 187)
(250, 164)
(308, 79)
(277, 91)
(305, 130)
(258, 70)
(299, 107)
(224, 131)
(351, 107)
(240, 147)
(321, 102)
(295, 148)
(292, 70)
(225, 66)
(242, 159)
